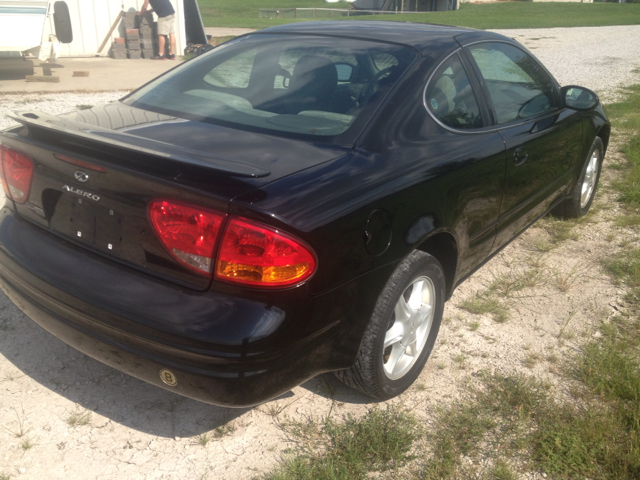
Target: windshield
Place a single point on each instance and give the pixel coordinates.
(323, 88)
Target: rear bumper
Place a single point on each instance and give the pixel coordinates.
(221, 350)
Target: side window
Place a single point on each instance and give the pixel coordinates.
(234, 73)
(518, 85)
(450, 98)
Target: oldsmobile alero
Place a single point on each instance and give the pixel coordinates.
(299, 200)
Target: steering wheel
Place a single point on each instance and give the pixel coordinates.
(371, 87)
(533, 106)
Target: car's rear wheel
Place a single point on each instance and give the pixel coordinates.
(583, 193)
(402, 329)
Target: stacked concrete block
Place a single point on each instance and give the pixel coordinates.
(119, 49)
(132, 36)
(129, 20)
(148, 35)
(140, 37)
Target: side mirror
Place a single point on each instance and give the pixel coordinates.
(579, 98)
(62, 22)
(345, 71)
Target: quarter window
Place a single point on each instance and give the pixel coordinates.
(450, 98)
(518, 85)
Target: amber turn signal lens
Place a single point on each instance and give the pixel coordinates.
(254, 254)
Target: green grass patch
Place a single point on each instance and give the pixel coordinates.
(486, 304)
(625, 115)
(351, 449)
(234, 13)
(515, 420)
(625, 267)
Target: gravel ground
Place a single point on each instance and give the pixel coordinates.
(66, 416)
(599, 58)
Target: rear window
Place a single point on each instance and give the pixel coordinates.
(308, 86)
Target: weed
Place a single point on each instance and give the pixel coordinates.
(460, 359)
(536, 262)
(224, 430)
(551, 358)
(327, 387)
(562, 333)
(5, 476)
(515, 281)
(79, 419)
(502, 471)
(84, 107)
(632, 220)
(531, 360)
(565, 281)
(441, 365)
(203, 439)
(625, 267)
(21, 431)
(474, 325)
(539, 245)
(486, 304)
(27, 444)
(419, 387)
(559, 230)
(376, 442)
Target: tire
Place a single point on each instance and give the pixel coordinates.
(401, 317)
(581, 198)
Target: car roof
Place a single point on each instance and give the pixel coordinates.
(421, 36)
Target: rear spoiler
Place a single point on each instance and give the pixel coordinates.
(138, 144)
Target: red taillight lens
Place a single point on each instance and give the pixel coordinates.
(254, 254)
(17, 173)
(188, 232)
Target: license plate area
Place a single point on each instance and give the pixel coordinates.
(89, 223)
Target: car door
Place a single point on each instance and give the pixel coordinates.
(542, 139)
(474, 152)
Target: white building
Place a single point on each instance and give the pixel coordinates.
(24, 22)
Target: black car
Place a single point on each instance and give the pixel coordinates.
(299, 200)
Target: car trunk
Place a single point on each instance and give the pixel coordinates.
(96, 171)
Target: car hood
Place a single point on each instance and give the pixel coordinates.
(257, 157)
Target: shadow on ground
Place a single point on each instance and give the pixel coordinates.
(99, 388)
(15, 68)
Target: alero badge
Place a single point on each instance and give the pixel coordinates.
(168, 377)
(82, 193)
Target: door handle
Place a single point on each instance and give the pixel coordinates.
(520, 156)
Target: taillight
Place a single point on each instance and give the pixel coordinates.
(188, 232)
(17, 173)
(254, 254)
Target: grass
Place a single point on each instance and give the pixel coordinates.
(79, 419)
(486, 304)
(626, 116)
(244, 14)
(377, 442)
(27, 444)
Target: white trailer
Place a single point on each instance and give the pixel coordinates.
(34, 27)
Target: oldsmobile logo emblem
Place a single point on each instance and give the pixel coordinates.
(81, 176)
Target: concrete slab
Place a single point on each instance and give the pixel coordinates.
(105, 74)
(226, 32)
